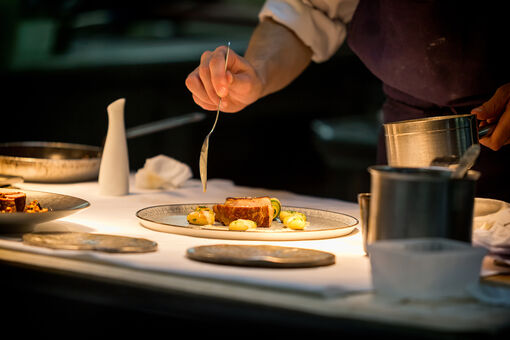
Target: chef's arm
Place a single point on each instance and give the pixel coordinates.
(277, 55)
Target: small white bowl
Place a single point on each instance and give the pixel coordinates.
(424, 268)
(487, 206)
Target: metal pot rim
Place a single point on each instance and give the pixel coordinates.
(430, 124)
(432, 173)
(68, 168)
(56, 145)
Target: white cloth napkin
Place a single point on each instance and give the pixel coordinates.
(162, 172)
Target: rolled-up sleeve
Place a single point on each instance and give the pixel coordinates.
(320, 24)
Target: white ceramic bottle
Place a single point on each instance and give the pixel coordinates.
(114, 169)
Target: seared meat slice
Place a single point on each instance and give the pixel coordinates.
(257, 209)
(12, 201)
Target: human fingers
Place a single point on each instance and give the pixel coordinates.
(219, 77)
(204, 104)
(204, 70)
(501, 133)
(494, 107)
(197, 89)
(200, 97)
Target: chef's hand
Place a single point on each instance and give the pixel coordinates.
(497, 109)
(238, 87)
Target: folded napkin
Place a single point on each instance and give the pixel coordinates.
(162, 172)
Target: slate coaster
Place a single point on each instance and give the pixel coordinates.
(89, 241)
(260, 256)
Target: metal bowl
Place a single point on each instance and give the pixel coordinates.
(50, 162)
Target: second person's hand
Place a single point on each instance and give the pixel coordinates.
(496, 109)
(238, 86)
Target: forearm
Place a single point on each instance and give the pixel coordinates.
(277, 55)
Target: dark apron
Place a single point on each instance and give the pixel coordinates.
(437, 58)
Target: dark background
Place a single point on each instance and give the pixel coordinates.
(63, 62)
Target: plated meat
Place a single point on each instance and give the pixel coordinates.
(256, 209)
(12, 201)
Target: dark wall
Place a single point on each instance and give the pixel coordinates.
(269, 144)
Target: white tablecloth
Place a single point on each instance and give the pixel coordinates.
(116, 215)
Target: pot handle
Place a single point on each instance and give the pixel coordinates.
(164, 124)
(364, 206)
(486, 130)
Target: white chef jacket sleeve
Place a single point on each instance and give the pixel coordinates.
(320, 24)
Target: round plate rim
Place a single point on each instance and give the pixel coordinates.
(248, 235)
(36, 218)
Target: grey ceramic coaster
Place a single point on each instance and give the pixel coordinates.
(260, 256)
(88, 241)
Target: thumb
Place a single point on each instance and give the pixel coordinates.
(230, 77)
(495, 106)
(223, 90)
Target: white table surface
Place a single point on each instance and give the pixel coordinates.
(343, 289)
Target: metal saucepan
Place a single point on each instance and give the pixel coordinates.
(417, 202)
(53, 162)
(417, 142)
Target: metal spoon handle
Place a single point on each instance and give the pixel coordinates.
(205, 146)
(467, 160)
(219, 103)
(486, 130)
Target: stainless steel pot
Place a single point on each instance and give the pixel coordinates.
(417, 202)
(417, 142)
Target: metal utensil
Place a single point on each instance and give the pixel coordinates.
(205, 146)
(160, 125)
(467, 160)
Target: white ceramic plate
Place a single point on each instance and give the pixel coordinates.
(59, 206)
(172, 219)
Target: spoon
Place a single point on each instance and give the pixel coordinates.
(205, 146)
(466, 161)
